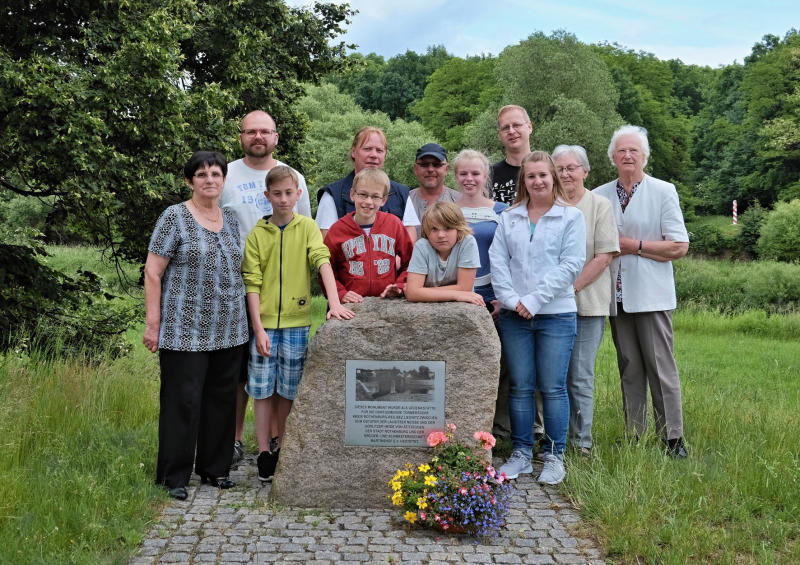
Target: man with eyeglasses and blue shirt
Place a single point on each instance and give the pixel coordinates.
(430, 168)
(244, 194)
(514, 129)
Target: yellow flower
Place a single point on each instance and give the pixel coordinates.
(430, 480)
(421, 504)
(410, 516)
(397, 499)
(424, 468)
(396, 485)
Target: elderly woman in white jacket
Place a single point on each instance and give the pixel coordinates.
(537, 253)
(651, 235)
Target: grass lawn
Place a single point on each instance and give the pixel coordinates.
(78, 459)
(737, 498)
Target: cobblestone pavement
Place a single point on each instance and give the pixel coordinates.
(240, 526)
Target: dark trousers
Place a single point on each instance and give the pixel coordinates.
(197, 418)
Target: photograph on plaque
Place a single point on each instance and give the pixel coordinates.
(393, 403)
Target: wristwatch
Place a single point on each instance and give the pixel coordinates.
(639, 252)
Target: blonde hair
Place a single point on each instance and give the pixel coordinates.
(510, 107)
(559, 196)
(362, 136)
(446, 215)
(469, 155)
(371, 177)
(280, 172)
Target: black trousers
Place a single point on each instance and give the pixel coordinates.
(198, 409)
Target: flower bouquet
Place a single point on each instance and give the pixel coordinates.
(457, 491)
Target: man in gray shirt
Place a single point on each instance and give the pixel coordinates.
(430, 168)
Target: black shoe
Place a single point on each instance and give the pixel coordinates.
(238, 451)
(266, 465)
(676, 448)
(178, 493)
(219, 482)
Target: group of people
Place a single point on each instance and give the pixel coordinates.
(524, 238)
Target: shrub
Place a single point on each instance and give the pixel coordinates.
(750, 222)
(780, 233)
(54, 312)
(711, 239)
(733, 286)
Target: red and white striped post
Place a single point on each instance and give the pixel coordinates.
(735, 221)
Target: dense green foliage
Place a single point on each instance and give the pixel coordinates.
(334, 118)
(102, 103)
(55, 312)
(738, 286)
(780, 233)
(389, 87)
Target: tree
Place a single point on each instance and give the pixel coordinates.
(780, 233)
(102, 103)
(567, 91)
(334, 119)
(457, 92)
(389, 87)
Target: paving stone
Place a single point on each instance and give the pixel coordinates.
(507, 558)
(174, 557)
(217, 527)
(235, 557)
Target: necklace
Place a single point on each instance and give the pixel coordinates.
(212, 220)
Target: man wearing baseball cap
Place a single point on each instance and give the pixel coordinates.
(430, 168)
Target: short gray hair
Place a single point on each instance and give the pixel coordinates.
(576, 151)
(628, 129)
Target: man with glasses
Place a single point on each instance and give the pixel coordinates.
(244, 194)
(514, 129)
(430, 168)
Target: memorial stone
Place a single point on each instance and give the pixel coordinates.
(317, 467)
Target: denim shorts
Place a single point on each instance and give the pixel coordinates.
(281, 371)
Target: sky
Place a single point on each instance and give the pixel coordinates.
(700, 32)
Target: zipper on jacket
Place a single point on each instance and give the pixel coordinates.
(280, 282)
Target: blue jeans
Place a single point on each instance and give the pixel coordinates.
(538, 352)
(580, 378)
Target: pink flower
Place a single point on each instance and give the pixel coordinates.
(491, 471)
(486, 439)
(436, 438)
(501, 477)
(451, 427)
(423, 516)
(445, 526)
(462, 490)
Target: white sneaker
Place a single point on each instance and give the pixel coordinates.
(517, 464)
(553, 471)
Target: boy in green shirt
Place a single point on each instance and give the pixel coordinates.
(278, 256)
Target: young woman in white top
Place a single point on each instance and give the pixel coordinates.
(537, 253)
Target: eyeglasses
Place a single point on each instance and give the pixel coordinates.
(373, 197)
(428, 164)
(254, 132)
(570, 169)
(515, 126)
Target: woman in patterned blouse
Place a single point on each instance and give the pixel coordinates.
(195, 318)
